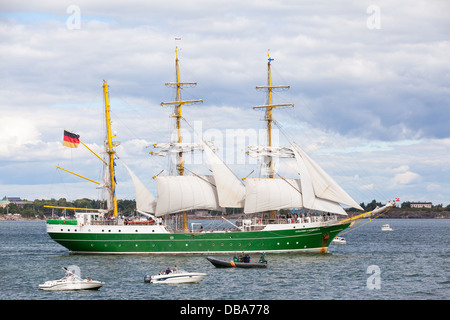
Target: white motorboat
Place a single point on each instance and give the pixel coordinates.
(386, 227)
(339, 240)
(175, 277)
(71, 282)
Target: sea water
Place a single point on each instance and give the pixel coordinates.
(410, 262)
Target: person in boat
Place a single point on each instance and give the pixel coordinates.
(262, 259)
(242, 257)
(247, 258)
(235, 258)
(168, 270)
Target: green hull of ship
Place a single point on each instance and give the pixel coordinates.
(315, 239)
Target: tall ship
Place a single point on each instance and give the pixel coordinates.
(314, 200)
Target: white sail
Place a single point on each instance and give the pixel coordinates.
(310, 201)
(183, 193)
(264, 194)
(145, 201)
(230, 190)
(324, 187)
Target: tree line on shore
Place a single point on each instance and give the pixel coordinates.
(32, 209)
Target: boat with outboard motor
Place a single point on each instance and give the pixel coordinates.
(218, 263)
(339, 240)
(175, 277)
(70, 282)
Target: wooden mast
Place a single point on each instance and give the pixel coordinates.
(269, 114)
(177, 115)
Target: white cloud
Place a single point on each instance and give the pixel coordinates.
(407, 177)
(368, 186)
(367, 102)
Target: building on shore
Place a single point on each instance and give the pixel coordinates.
(421, 205)
(7, 200)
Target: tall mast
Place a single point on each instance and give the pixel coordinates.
(177, 114)
(269, 108)
(109, 150)
(269, 114)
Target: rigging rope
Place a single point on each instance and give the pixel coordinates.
(370, 220)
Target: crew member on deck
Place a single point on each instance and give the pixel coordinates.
(262, 259)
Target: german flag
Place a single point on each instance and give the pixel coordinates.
(71, 140)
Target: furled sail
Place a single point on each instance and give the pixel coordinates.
(230, 190)
(279, 152)
(323, 186)
(264, 194)
(183, 193)
(107, 188)
(175, 147)
(145, 201)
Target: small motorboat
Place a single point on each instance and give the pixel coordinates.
(386, 227)
(175, 277)
(71, 282)
(234, 264)
(339, 240)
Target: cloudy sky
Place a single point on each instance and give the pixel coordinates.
(370, 81)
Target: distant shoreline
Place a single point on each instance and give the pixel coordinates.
(395, 213)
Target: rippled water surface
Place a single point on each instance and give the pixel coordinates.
(412, 260)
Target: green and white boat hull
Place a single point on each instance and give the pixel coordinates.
(155, 239)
